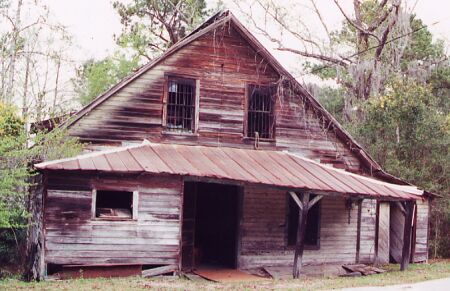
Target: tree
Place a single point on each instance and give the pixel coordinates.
(393, 87)
(352, 55)
(407, 132)
(151, 26)
(33, 53)
(95, 77)
(15, 174)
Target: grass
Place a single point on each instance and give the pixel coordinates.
(415, 273)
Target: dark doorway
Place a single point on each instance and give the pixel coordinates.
(210, 224)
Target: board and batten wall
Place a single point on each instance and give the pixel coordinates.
(397, 222)
(368, 225)
(422, 225)
(72, 236)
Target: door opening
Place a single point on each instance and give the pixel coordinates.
(210, 224)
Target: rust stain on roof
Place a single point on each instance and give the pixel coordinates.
(275, 168)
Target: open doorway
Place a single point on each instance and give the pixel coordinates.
(397, 225)
(210, 225)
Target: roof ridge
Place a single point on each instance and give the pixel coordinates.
(211, 23)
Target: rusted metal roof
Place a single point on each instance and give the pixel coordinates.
(276, 168)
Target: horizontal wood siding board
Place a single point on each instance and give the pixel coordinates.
(225, 63)
(263, 241)
(73, 237)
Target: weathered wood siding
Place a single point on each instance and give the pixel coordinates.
(397, 225)
(421, 250)
(383, 233)
(72, 236)
(263, 228)
(368, 223)
(223, 63)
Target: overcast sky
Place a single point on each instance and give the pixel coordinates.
(94, 22)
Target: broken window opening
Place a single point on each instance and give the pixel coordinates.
(312, 233)
(180, 105)
(260, 117)
(114, 204)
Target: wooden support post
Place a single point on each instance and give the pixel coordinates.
(297, 201)
(401, 207)
(406, 252)
(315, 200)
(358, 231)
(377, 230)
(302, 218)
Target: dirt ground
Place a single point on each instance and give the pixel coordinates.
(415, 273)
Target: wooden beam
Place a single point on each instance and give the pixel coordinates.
(295, 197)
(135, 204)
(358, 230)
(93, 203)
(377, 230)
(315, 200)
(406, 251)
(159, 271)
(302, 218)
(401, 207)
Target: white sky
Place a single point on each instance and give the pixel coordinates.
(93, 23)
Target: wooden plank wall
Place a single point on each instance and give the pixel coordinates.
(397, 222)
(421, 253)
(368, 223)
(383, 233)
(263, 241)
(224, 63)
(73, 237)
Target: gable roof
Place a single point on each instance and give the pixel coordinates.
(226, 17)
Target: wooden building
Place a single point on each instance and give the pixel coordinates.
(214, 154)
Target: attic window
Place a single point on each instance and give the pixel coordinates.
(260, 117)
(114, 205)
(181, 103)
(312, 234)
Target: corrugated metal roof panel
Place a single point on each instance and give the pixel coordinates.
(281, 169)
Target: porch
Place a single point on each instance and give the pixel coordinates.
(270, 183)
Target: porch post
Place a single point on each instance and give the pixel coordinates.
(302, 217)
(406, 251)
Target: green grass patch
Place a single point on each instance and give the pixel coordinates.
(415, 273)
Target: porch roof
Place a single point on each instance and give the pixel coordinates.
(274, 168)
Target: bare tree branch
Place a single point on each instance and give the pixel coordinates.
(315, 56)
(354, 24)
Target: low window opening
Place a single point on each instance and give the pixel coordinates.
(312, 224)
(114, 204)
(180, 105)
(260, 117)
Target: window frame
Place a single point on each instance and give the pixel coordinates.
(315, 246)
(272, 91)
(135, 205)
(185, 78)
